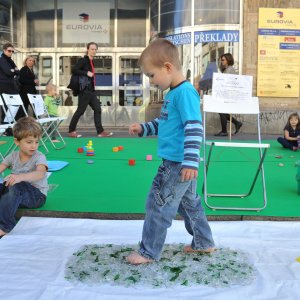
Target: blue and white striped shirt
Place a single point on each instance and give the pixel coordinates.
(179, 127)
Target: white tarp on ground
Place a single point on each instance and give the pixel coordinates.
(34, 254)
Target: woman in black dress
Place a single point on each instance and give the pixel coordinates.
(28, 83)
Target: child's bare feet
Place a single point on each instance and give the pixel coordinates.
(2, 233)
(136, 259)
(189, 249)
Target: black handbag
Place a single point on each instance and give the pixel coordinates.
(78, 83)
(74, 84)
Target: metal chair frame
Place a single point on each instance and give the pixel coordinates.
(251, 106)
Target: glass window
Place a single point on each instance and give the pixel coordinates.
(66, 63)
(130, 79)
(5, 24)
(84, 22)
(103, 70)
(17, 5)
(154, 17)
(40, 23)
(131, 18)
(207, 61)
(44, 68)
(217, 12)
(175, 14)
(5, 21)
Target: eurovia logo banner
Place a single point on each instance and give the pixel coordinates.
(85, 21)
(278, 70)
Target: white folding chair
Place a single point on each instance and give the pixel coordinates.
(249, 106)
(7, 118)
(49, 124)
(13, 103)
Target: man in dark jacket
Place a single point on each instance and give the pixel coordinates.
(8, 74)
(87, 96)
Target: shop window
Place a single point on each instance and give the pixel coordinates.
(6, 8)
(131, 18)
(40, 23)
(44, 69)
(174, 14)
(217, 12)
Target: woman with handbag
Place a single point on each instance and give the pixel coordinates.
(8, 75)
(83, 81)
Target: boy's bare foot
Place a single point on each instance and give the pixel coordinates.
(136, 259)
(189, 249)
(2, 233)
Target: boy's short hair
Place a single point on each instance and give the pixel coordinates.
(25, 127)
(50, 86)
(160, 51)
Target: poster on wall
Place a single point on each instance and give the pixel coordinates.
(86, 21)
(278, 70)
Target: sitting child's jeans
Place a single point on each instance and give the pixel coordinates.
(22, 194)
(287, 144)
(168, 195)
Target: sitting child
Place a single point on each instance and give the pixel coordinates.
(291, 137)
(27, 184)
(51, 102)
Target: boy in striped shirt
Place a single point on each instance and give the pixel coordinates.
(179, 131)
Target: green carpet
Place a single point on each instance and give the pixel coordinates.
(110, 185)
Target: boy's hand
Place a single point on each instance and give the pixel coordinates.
(13, 179)
(135, 129)
(188, 174)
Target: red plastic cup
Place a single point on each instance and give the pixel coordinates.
(131, 162)
(80, 150)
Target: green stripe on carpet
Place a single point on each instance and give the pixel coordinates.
(110, 185)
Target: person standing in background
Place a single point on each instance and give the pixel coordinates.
(84, 68)
(28, 83)
(226, 67)
(8, 75)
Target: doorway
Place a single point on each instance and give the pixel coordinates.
(120, 87)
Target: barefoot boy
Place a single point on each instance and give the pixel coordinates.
(179, 130)
(27, 185)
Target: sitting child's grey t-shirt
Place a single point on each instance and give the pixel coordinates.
(17, 167)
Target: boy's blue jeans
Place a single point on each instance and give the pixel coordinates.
(22, 194)
(168, 195)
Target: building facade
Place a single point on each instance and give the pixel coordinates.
(57, 31)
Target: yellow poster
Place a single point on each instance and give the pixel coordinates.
(278, 71)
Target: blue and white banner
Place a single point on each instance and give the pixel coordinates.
(217, 36)
(179, 39)
(86, 21)
(205, 37)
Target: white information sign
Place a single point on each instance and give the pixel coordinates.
(86, 21)
(231, 87)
